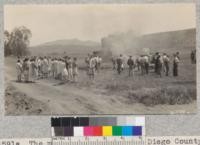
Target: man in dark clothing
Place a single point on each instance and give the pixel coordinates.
(193, 57)
(131, 65)
(156, 61)
(175, 65)
(119, 64)
(66, 63)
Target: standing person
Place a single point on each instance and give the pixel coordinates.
(75, 70)
(31, 70)
(142, 64)
(50, 67)
(193, 56)
(42, 67)
(156, 61)
(113, 62)
(146, 64)
(63, 72)
(138, 64)
(87, 61)
(35, 70)
(92, 65)
(66, 63)
(70, 69)
(53, 67)
(45, 67)
(119, 64)
(131, 65)
(65, 75)
(39, 63)
(160, 65)
(166, 61)
(175, 65)
(59, 72)
(26, 70)
(99, 60)
(19, 70)
(56, 68)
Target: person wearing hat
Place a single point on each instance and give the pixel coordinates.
(131, 65)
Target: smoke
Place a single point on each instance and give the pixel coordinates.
(119, 43)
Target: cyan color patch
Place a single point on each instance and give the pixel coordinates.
(127, 130)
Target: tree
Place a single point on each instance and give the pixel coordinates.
(18, 41)
(7, 50)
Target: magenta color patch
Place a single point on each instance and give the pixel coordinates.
(88, 131)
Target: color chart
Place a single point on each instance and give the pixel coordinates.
(97, 126)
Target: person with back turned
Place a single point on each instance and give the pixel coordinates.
(119, 64)
(175, 64)
(166, 61)
(131, 65)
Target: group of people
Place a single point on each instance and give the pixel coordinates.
(159, 61)
(33, 68)
(66, 68)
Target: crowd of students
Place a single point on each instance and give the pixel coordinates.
(33, 68)
(66, 69)
(159, 61)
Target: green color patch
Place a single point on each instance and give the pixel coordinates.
(117, 130)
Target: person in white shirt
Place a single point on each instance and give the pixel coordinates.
(19, 71)
(45, 67)
(166, 62)
(70, 69)
(92, 64)
(98, 65)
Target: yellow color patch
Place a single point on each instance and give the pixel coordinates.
(107, 130)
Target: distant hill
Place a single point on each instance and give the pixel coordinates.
(169, 42)
(68, 46)
(174, 40)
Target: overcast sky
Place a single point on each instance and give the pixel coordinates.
(92, 22)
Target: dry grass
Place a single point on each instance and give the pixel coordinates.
(169, 95)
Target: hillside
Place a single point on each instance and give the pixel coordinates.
(68, 46)
(175, 40)
(169, 42)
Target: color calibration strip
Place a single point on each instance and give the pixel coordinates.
(98, 126)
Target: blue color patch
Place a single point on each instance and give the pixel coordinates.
(137, 130)
(127, 131)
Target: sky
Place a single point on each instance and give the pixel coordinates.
(94, 21)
